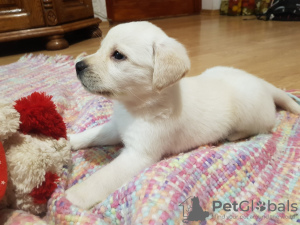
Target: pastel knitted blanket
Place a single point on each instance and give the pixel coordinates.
(236, 183)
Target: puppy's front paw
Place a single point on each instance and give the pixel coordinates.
(75, 141)
(78, 196)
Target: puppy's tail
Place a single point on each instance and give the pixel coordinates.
(283, 100)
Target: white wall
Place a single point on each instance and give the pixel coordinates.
(211, 4)
(100, 9)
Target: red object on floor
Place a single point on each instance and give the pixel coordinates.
(3, 171)
(42, 193)
(38, 115)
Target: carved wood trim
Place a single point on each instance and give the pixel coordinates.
(49, 12)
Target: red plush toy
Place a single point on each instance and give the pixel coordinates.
(3, 174)
(35, 149)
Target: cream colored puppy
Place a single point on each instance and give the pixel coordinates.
(156, 112)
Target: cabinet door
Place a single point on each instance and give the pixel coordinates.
(72, 10)
(126, 10)
(20, 14)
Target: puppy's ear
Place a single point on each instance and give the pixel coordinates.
(171, 63)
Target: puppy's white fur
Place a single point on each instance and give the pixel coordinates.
(155, 115)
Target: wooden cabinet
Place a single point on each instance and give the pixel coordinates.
(70, 10)
(20, 14)
(127, 10)
(20, 19)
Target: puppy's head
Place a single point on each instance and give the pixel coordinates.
(135, 58)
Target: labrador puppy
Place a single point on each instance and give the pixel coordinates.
(157, 111)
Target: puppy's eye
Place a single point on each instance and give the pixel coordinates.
(117, 55)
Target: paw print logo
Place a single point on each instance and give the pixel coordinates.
(261, 206)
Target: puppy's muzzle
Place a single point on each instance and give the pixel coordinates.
(81, 66)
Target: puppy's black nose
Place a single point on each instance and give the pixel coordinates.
(80, 66)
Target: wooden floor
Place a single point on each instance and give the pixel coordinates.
(269, 49)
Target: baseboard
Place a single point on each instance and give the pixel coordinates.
(105, 23)
(210, 12)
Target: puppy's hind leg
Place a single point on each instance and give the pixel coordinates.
(106, 134)
(238, 136)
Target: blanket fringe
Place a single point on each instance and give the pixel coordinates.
(41, 58)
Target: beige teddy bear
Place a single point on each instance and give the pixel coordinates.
(35, 149)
